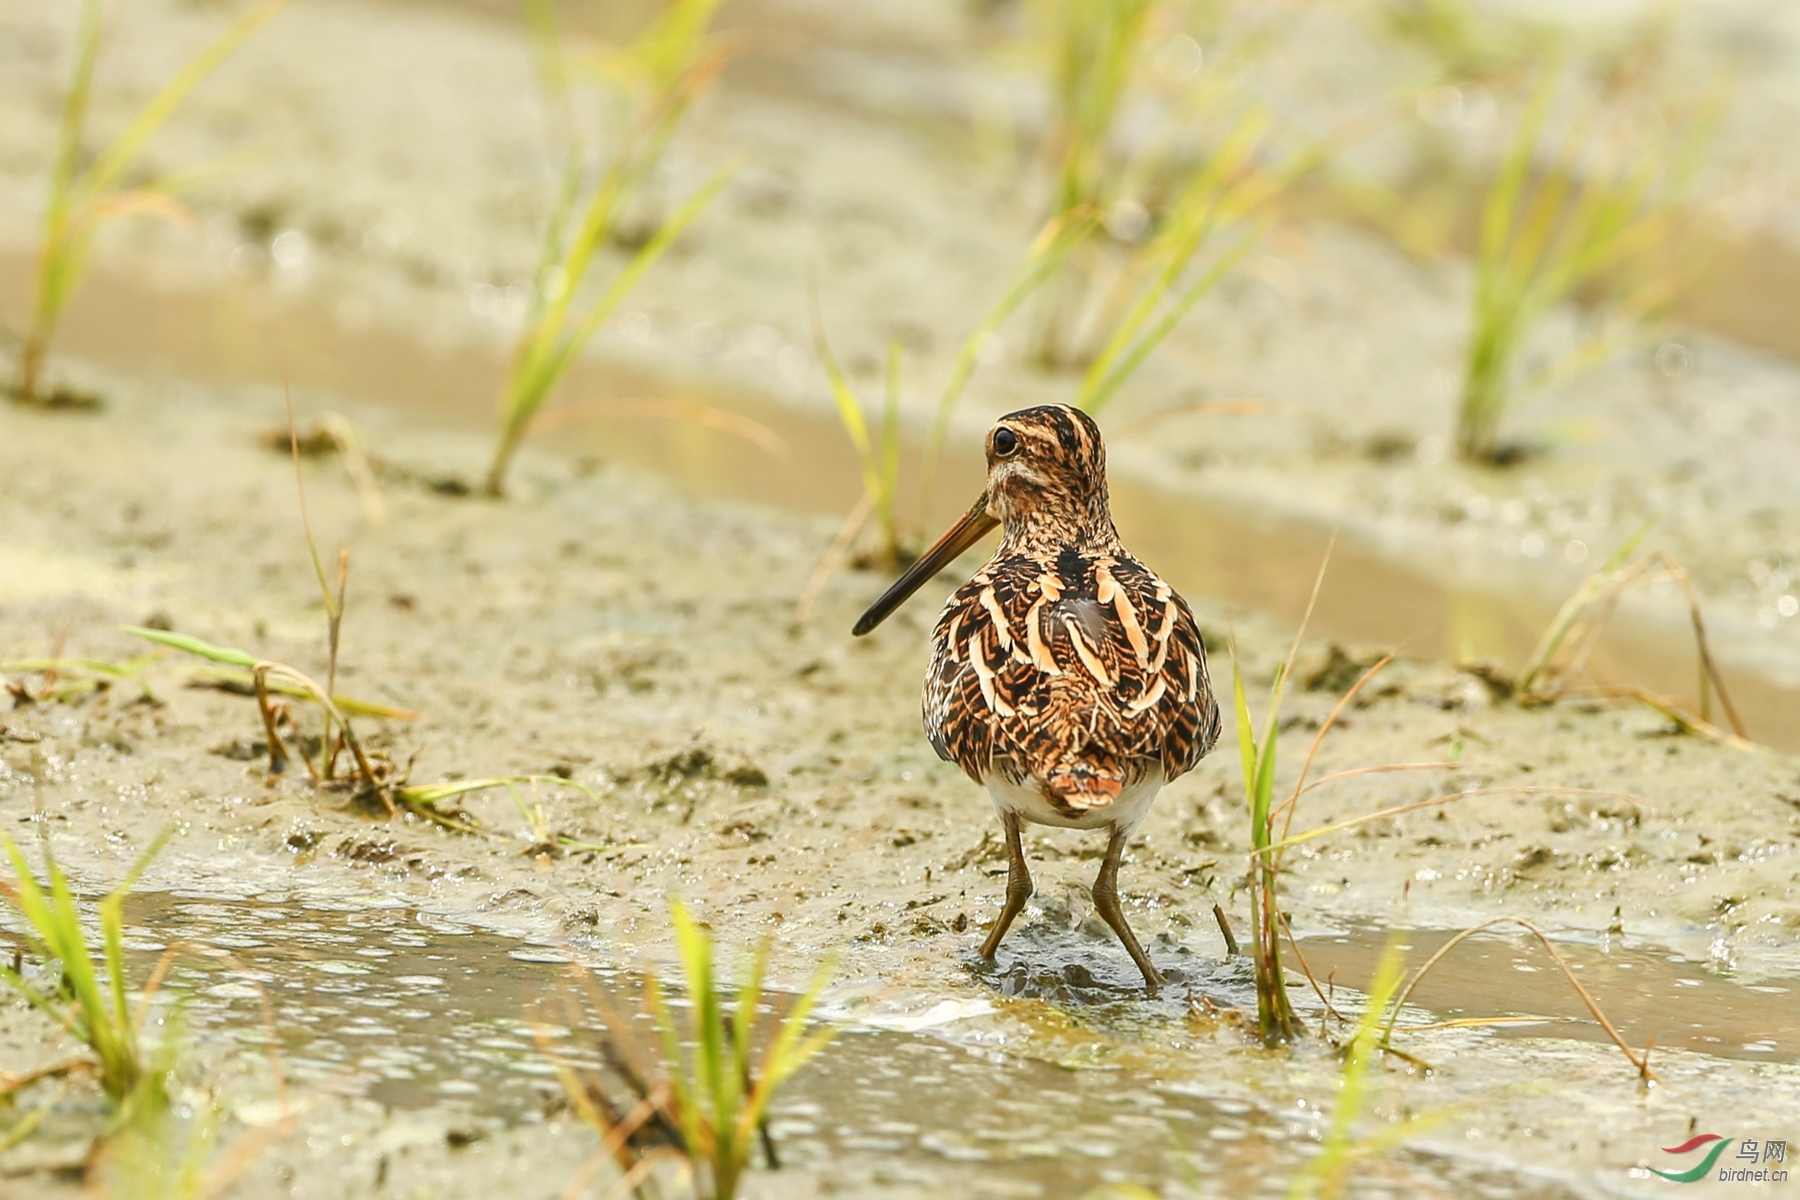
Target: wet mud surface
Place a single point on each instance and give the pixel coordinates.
(628, 619)
(769, 769)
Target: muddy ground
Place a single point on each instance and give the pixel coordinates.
(885, 152)
(603, 625)
(771, 770)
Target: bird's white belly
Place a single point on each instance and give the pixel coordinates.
(1128, 811)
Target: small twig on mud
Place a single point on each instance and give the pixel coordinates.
(1641, 1062)
(1684, 720)
(1231, 942)
(834, 554)
(278, 754)
(1294, 945)
(1337, 710)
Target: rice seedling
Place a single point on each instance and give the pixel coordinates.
(91, 1001)
(1049, 250)
(1468, 42)
(880, 462)
(1166, 199)
(1271, 823)
(701, 1096)
(661, 75)
(880, 459)
(86, 191)
(161, 1156)
(1225, 197)
(1324, 1175)
(372, 777)
(1275, 1019)
(1594, 212)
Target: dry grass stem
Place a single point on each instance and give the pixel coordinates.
(1639, 1061)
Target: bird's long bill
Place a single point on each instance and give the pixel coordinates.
(974, 525)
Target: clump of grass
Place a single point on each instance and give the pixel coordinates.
(1275, 1019)
(1059, 237)
(91, 1002)
(1167, 200)
(86, 191)
(1594, 210)
(880, 461)
(1467, 42)
(701, 1097)
(1560, 659)
(267, 679)
(371, 776)
(1171, 270)
(661, 75)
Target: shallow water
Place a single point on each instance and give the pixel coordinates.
(1651, 994)
(417, 1011)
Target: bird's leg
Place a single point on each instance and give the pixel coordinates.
(1018, 886)
(1106, 902)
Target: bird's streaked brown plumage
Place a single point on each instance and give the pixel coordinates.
(1065, 676)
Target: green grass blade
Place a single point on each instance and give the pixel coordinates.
(849, 409)
(194, 646)
(1246, 730)
(1054, 243)
(1324, 1174)
(118, 157)
(710, 1055)
(436, 793)
(890, 447)
(640, 264)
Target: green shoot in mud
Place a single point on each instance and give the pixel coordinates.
(91, 1001)
(1206, 175)
(706, 1089)
(1275, 1019)
(1595, 210)
(662, 74)
(374, 777)
(1467, 42)
(88, 191)
(1324, 1175)
(1158, 287)
(881, 464)
(161, 1156)
(880, 461)
(1060, 236)
(267, 679)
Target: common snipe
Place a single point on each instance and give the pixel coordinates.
(1065, 677)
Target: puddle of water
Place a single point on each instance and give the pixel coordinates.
(417, 1012)
(1650, 995)
(244, 331)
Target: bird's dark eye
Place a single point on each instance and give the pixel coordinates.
(1005, 442)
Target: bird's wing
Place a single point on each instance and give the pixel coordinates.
(1077, 668)
(1164, 700)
